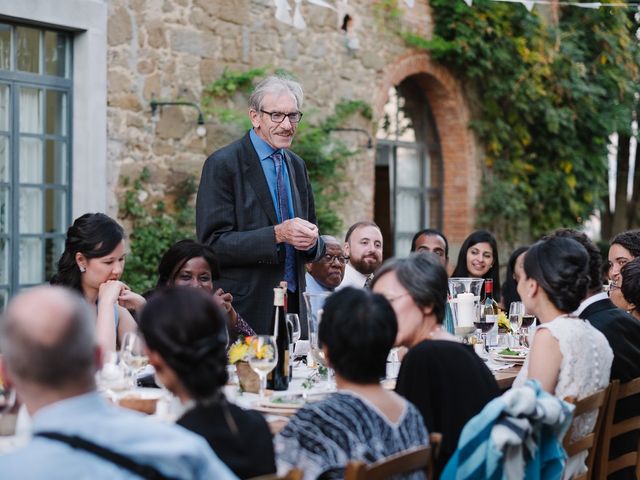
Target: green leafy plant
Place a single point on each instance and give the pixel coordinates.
(546, 97)
(155, 227)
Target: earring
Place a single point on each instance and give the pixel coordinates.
(82, 269)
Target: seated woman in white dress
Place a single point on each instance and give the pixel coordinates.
(568, 356)
(362, 421)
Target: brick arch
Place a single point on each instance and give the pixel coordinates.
(451, 114)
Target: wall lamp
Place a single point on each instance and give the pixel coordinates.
(358, 130)
(201, 131)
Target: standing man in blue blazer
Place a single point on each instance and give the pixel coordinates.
(255, 206)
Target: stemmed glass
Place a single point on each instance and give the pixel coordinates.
(7, 395)
(132, 353)
(263, 357)
(516, 312)
(293, 320)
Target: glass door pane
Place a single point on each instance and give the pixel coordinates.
(5, 46)
(4, 108)
(408, 167)
(30, 258)
(55, 53)
(28, 49)
(31, 210)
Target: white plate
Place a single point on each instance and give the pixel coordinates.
(510, 359)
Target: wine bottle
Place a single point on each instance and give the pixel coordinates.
(489, 311)
(278, 378)
(283, 286)
(292, 347)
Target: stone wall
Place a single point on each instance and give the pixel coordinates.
(168, 49)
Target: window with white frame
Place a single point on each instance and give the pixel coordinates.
(35, 153)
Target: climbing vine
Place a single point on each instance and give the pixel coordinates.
(545, 97)
(155, 226)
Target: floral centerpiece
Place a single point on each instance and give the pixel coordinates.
(238, 355)
(503, 323)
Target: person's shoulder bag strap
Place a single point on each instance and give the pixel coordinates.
(144, 471)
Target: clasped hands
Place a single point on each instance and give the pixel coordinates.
(115, 291)
(297, 232)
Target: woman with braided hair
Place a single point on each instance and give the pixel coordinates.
(186, 337)
(568, 356)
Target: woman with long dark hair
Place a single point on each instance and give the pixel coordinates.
(478, 258)
(568, 356)
(185, 333)
(92, 264)
(193, 264)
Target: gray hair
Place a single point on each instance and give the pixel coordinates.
(423, 276)
(275, 84)
(67, 358)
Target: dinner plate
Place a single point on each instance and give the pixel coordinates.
(274, 409)
(510, 359)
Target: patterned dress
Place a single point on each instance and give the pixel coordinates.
(324, 436)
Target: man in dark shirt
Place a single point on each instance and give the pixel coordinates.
(623, 334)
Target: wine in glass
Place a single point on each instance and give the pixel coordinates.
(133, 354)
(527, 321)
(485, 323)
(516, 313)
(263, 357)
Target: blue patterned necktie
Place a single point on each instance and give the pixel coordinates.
(283, 208)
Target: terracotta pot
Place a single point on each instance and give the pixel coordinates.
(249, 380)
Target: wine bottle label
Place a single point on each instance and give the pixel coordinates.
(278, 297)
(491, 318)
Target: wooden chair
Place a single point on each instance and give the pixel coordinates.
(611, 430)
(416, 458)
(596, 401)
(293, 474)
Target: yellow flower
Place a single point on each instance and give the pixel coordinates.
(265, 352)
(503, 322)
(238, 351)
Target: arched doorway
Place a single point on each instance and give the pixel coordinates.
(408, 170)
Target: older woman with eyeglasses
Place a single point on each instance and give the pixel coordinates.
(445, 379)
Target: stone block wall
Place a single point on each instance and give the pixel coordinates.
(169, 49)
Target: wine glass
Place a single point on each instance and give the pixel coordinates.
(132, 353)
(516, 312)
(263, 357)
(293, 321)
(485, 323)
(527, 322)
(7, 395)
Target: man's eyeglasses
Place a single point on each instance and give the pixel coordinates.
(340, 258)
(278, 117)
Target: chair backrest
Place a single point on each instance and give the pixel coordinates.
(611, 430)
(293, 474)
(596, 401)
(435, 441)
(416, 458)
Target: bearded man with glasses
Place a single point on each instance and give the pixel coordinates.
(255, 206)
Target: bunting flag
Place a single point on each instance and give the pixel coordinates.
(283, 8)
(282, 11)
(298, 21)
